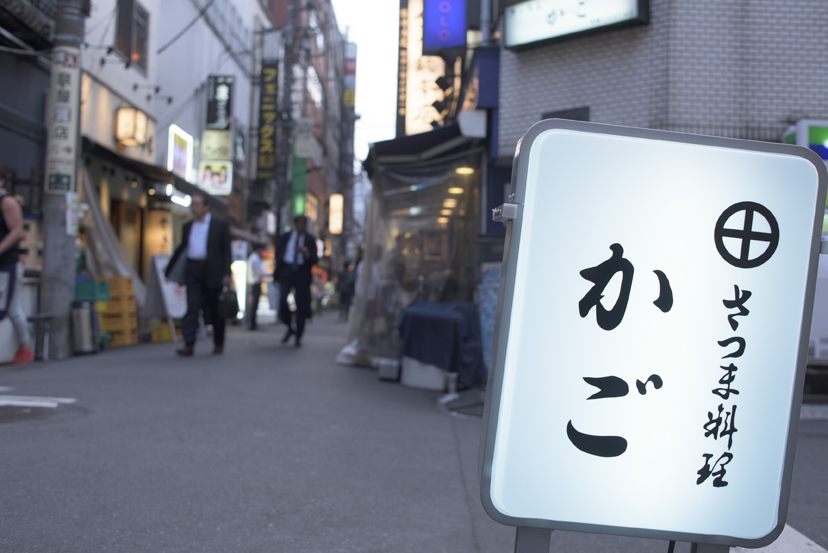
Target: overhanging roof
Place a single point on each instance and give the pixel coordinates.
(151, 172)
(414, 148)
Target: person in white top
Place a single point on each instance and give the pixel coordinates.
(205, 243)
(296, 254)
(256, 273)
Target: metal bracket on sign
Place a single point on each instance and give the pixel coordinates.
(506, 212)
(823, 246)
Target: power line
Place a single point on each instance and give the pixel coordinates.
(187, 28)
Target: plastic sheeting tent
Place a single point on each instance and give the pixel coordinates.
(421, 235)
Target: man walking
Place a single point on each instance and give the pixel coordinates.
(256, 272)
(205, 244)
(295, 255)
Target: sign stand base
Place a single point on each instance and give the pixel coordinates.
(539, 540)
(534, 540)
(708, 548)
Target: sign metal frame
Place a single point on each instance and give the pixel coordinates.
(505, 307)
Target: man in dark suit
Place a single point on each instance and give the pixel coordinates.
(205, 245)
(295, 255)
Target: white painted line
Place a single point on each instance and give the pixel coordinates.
(814, 412)
(790, 541)
(26, 401)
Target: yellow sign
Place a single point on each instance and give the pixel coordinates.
(349, 98)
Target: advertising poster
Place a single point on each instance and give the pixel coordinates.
(216, 177)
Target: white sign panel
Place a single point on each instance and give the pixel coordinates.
(649, 354)
(62, 120)
(538, 20)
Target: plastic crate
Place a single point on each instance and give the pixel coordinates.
(92, 290)
(115, 322)
(116, 305)
(121, 287)
(124, 337)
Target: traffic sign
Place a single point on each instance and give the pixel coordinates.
(652, 334)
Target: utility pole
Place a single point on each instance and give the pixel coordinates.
(57, 286)
(285, 135)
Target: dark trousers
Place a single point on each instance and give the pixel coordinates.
(200, 297)
(255, 294)
(301, 293)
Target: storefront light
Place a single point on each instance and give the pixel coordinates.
(450, 203)
(442, 220)
(464, 170)
(130, 127)
(151, 191)
(455, 190)
(445, 212)
(169, 190)
(181, 199)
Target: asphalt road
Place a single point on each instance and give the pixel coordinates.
(267, 448)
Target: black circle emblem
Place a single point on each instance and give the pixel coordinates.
(746, 235)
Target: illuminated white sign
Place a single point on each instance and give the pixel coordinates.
(537, 20)
(180, 152)
(650, 348)
(335, 213)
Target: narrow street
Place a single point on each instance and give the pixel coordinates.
(267, 448)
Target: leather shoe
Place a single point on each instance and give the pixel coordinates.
(186, 351)
(298, 343)
(287, 335)
(218, 350)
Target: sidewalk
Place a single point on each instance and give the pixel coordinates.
(267, 448)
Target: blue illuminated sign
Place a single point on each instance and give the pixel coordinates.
(444, 25)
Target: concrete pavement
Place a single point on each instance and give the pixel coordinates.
(265, 448)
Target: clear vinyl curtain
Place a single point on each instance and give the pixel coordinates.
(420, 242)
(105, 257)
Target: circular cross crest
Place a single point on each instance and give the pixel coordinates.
(746, 235)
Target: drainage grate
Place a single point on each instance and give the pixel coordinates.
(19, 414)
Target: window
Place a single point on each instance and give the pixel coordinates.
(132, 34)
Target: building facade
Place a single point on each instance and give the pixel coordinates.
(733, 69)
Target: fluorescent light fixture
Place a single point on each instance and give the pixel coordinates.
(455, 190)
(464, 170)
(169, 190)
(181, 199)
(415, 210)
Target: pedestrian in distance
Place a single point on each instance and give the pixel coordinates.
(345, 285)
(205, 245)
(256, 272)
(11, 273)
(295, 255)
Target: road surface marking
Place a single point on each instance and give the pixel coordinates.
(27, 401)
(790, 541)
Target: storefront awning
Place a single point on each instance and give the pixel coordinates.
(439, 143)
(152, 173)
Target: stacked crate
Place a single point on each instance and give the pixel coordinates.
(31, 245)
(118, 316)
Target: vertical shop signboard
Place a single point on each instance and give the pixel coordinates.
(266, 164)
(652, 334)
(219, 102)
(62, 120)
(349, 93)
(444, 25)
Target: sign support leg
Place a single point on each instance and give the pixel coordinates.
(535, 540)
(708, 548)
(171, 324)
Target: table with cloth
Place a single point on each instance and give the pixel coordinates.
(446, 335)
